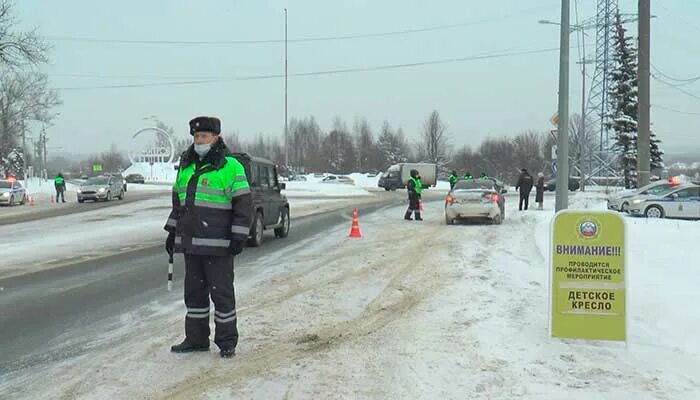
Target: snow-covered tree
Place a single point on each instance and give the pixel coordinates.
(392, 146)
(657, 154)
(623, 98)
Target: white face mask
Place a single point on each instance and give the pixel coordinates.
(202, 149)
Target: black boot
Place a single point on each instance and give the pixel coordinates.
(227, 353)
(418, 217)
(187, 347)
(407, 217)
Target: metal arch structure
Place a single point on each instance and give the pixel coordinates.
(133, 156)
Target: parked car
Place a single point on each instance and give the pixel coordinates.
(12, 192)
(680, 202)
(297, 178)
(620, 201)
(270, 206)
(135, 178)
(551, 184)
(101, 188)
(477, 199)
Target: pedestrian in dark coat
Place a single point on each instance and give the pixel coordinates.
(525, 183)
(539, 191)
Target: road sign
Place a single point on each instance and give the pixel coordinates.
(555, 119)
(588, 271)
(96, 167)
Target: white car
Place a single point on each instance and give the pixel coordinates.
(477, 199)
(620, 201)
(681, 202)
(338, 179)
(12, 192)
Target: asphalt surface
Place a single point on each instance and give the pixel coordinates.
(52, 315)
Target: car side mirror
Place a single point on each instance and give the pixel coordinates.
(283, 186)
(674, 196)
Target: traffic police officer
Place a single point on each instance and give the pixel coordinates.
(209, 224)
(415, 190)
(453, 179)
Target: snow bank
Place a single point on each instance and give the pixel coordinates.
(322, 189)
(159, 172)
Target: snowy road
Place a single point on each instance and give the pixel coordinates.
(413, 310)
(98, 284)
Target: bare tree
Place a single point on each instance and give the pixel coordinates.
(18, 48)
(24, 97)
(436, 140)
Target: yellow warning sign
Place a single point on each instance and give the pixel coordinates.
(588, 284)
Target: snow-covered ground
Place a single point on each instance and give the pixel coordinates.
(413, 310)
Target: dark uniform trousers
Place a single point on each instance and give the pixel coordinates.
(205, 276)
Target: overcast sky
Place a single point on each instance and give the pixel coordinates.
(477, 98)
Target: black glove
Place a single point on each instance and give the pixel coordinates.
(236, 247)
(170, 243)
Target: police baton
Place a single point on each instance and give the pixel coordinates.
(170, 272)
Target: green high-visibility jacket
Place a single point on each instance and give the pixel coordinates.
(415, 185)
(453, 179)
(211, 203)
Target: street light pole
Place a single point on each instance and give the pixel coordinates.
(562, 185)
(643, 140)
(286, 120)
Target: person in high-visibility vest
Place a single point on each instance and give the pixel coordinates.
(468, 176)
(60, 185)
(209, 223)
(415, 189)
(453, 179)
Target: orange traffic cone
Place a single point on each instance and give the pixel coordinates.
(420, 206)
(355, 231)
(31, 201)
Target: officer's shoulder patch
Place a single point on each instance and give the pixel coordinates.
(205, 182)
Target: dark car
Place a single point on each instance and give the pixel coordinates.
(270, 206)
(135, 178)
(551, 184)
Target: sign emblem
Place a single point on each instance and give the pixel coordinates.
(588, 229)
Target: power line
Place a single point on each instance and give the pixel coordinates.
(678, 17)
(301, 39)
(315, 73)
(675, 110)
(675, 87)
(684, 81)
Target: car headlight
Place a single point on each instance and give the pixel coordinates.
(80, 191)
(638, 201)
(101, 190)
(6, 195)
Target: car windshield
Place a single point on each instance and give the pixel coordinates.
(5, 184)
(474, 185)
(100, 180)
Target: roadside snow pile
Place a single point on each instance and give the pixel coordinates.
(159, 172)
(362, 180)
(321, 189)
(36, 186)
